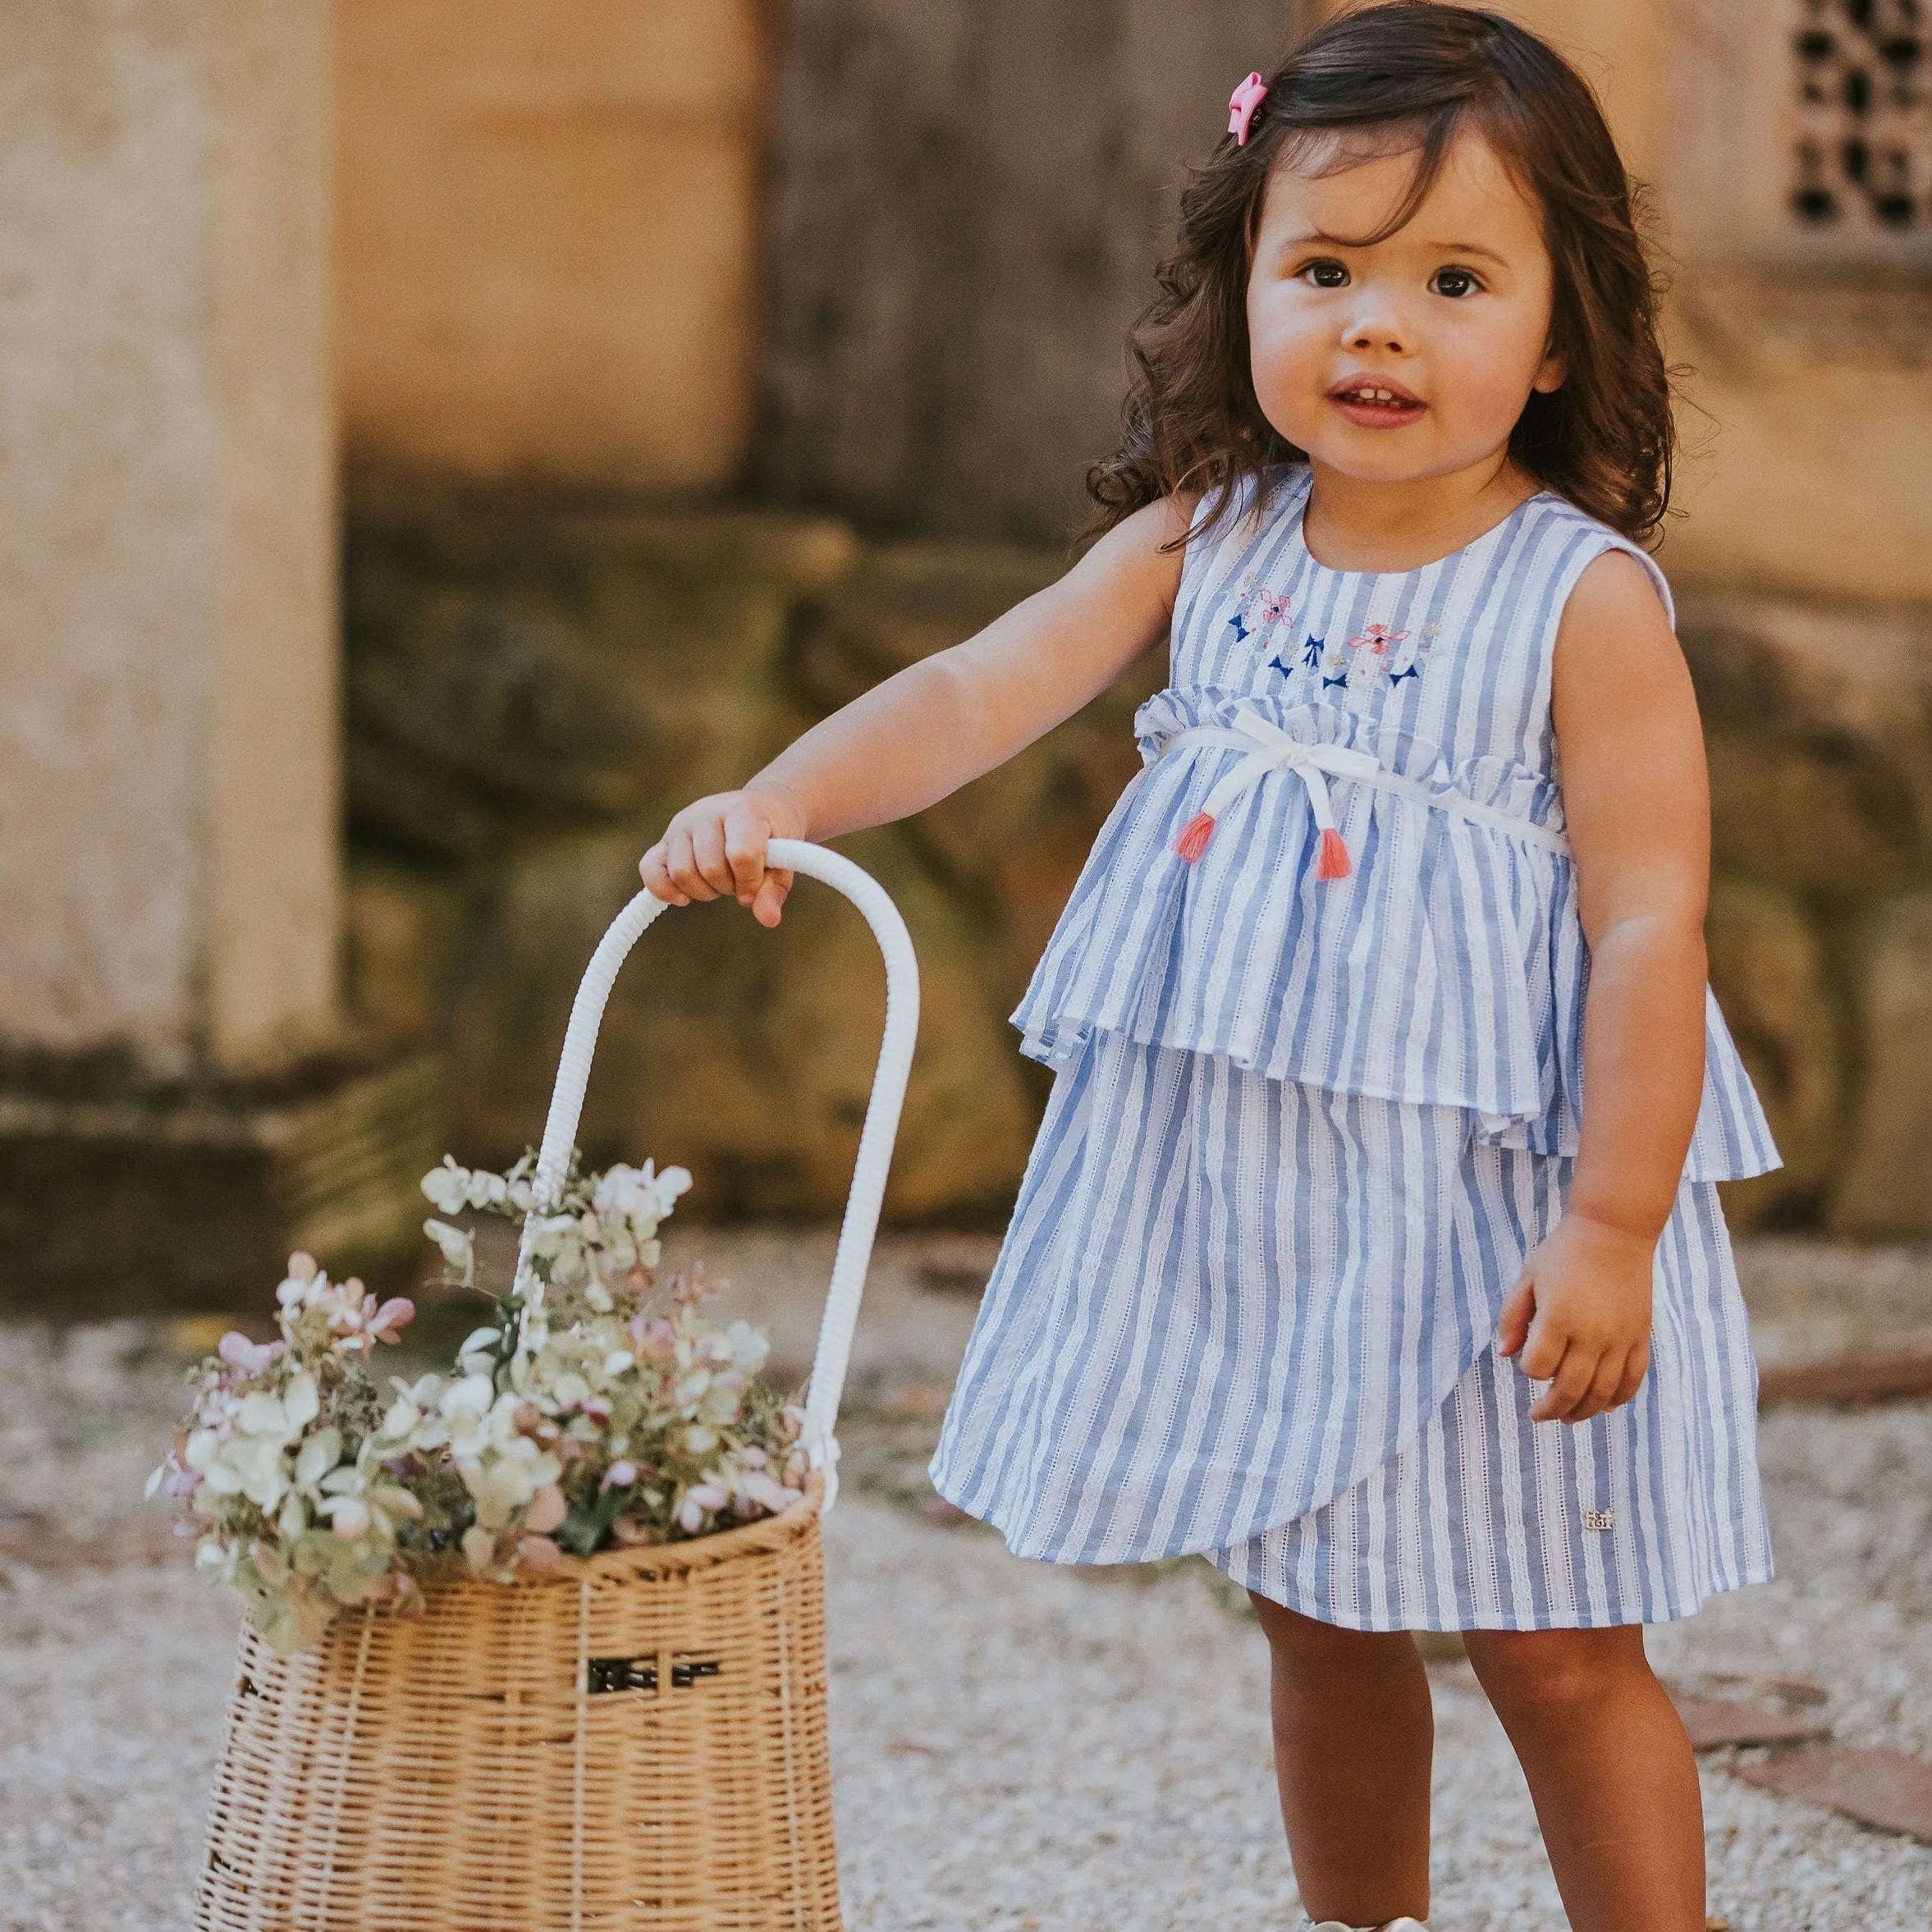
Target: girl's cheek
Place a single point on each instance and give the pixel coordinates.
(1290, 369)
(1293, 410)
(1485, 386)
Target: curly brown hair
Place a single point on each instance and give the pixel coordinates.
(1414, 72)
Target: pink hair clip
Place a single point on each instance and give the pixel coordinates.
(1242, 104)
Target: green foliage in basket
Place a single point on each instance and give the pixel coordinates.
(596, 1407)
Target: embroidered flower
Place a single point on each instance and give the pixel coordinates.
(1379, 638)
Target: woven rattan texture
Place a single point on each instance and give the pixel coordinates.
(638, 1741)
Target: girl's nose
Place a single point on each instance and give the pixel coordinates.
(1376, 325)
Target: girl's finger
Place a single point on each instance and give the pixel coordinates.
(1568, 1387)
(744, 852)
(1519, 1310)
(656, 876)
(1636, 1365)
(682, 864)
(1544, 1348)
(707, 848)
(768, 906)
(1602, 1392)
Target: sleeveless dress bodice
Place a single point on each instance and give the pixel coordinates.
(1448, 968)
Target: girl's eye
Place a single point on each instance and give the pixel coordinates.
(1326, 274)
(1453, 282)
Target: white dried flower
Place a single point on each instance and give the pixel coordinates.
(447, 1186)
(458, 1248)
(318, 1454)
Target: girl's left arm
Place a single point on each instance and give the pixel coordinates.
(1637, 799)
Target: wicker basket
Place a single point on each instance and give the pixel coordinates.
(636, 1741)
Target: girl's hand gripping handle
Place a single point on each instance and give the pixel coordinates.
(717, 847)
(786, 857)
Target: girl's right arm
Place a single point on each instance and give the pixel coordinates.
(936, 725)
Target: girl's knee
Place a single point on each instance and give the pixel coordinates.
(1554, 1669)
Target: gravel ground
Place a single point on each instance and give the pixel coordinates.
(1017, 1746)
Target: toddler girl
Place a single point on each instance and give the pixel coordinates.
(1370, 1244)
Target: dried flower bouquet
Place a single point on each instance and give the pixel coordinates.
(597, 1408)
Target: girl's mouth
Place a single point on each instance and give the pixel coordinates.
(1376, 403)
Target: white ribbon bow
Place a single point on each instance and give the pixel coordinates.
(1313, 764)
(1275, 751)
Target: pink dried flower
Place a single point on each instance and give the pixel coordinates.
(392, 1318)
(252, 1358)
(620, 1476)
(538, 1553)
(547, 1510)
(655, 1340)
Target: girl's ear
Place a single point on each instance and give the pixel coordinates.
(1551, 376)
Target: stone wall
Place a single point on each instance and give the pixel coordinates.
(967, 201)
(534, 687)
(548, 228)
(1819, 720)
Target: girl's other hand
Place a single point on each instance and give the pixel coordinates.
(715, 847)
(1579, 1318)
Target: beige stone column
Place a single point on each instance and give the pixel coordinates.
(177, 1107)
(168, 737)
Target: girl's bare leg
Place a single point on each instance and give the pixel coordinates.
(1611, 1770)
(1354, 1733)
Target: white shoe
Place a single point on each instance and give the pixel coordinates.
(1393, 1925)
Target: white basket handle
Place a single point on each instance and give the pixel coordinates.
(875, 1142)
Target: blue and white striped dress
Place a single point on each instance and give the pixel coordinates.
(1304, 1131)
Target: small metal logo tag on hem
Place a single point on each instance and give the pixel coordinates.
(1600, 1519)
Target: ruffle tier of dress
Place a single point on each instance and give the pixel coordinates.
(1448, 969)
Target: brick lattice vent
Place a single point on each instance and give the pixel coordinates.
(1863, 81)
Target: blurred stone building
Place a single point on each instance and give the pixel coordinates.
(688, 364)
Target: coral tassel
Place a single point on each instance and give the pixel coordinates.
(1194, 839)
(1334, 861)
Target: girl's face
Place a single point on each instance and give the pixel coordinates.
(1411, 357)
